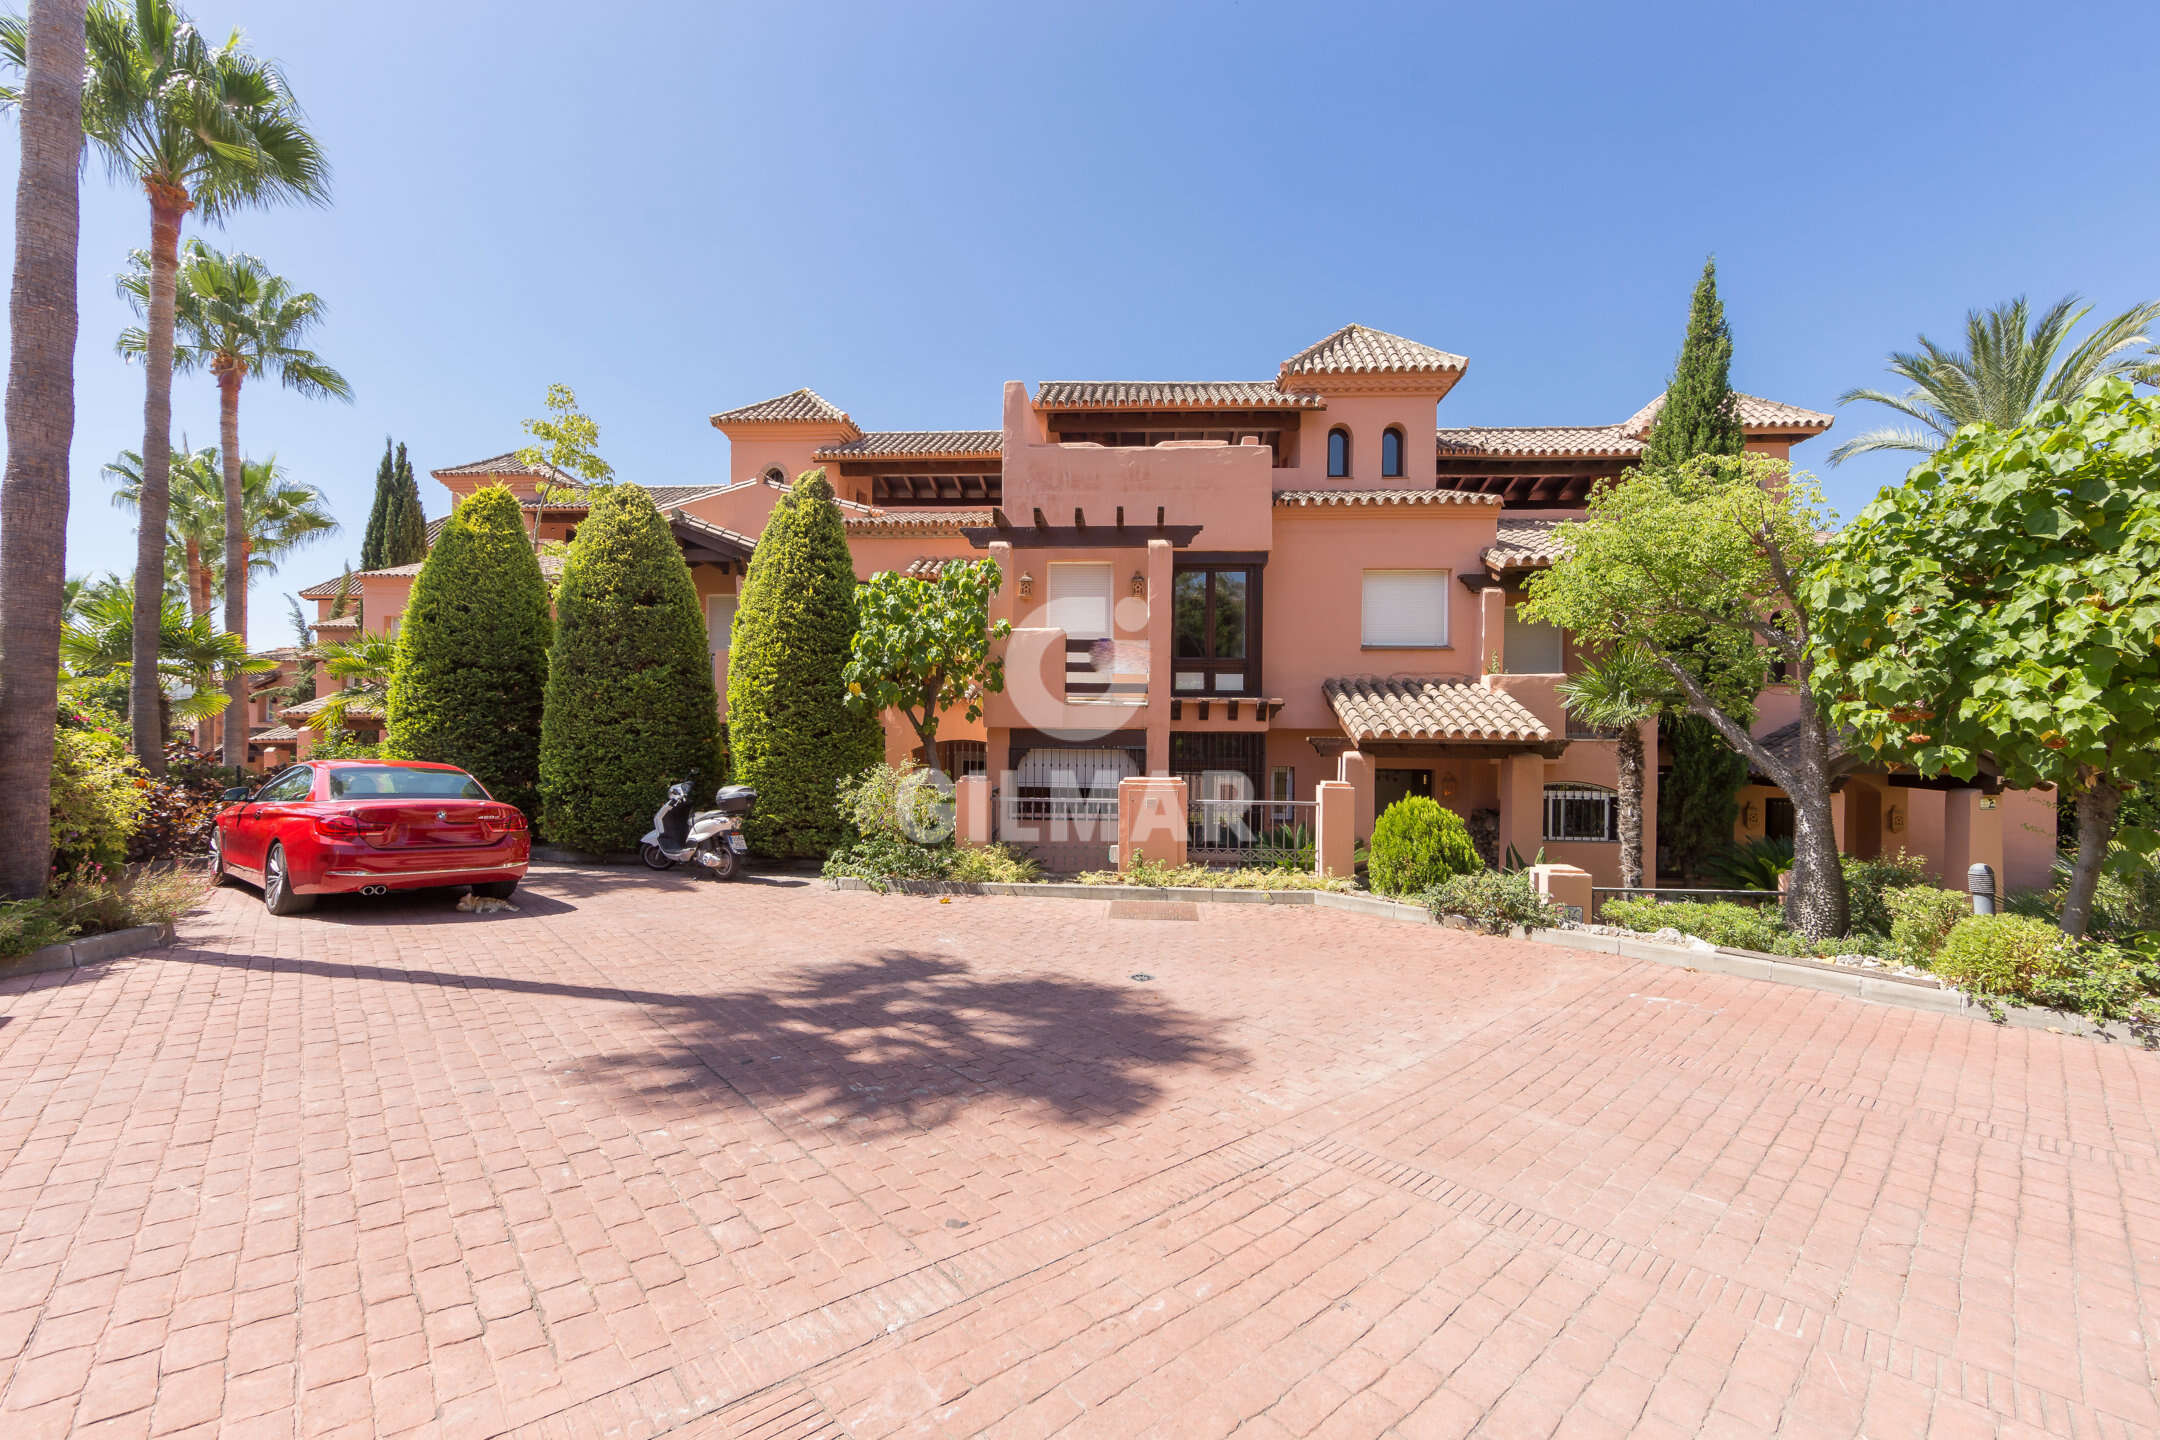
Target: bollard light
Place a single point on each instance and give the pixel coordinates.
(1980, 880)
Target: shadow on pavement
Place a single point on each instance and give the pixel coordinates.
(900, 1038)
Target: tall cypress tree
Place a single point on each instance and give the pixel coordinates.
(472, 653)
(405, 531)
(378, 520)
(1700, 416)
(791, 733)
(630, 701)
(1696, 802)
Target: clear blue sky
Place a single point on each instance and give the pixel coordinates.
(681, 208)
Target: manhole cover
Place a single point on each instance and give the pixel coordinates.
(1154, 910)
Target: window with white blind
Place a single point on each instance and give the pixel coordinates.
(1532, 648)
(1080, 598)
(1405, 609)
(719, 622)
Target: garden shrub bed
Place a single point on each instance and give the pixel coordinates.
(92, 901)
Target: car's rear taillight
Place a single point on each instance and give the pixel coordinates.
(506, 818)
(349, 825)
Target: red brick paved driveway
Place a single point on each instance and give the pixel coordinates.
(660, 1155)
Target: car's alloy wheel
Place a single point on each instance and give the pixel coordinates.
(279, 898)
(217, 857)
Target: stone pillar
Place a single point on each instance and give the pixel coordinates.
(1522, 804)
(1492, 621)
(1160, 680)
(1335, 847)
(1151, 819)
(971, 810)
(1566, 886)
(1354, 768)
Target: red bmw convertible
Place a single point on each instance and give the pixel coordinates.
(330, 827)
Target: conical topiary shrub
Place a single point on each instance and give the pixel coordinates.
(472, 653)
(630, 701)
(791, 732)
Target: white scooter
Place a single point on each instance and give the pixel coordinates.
(713, 838)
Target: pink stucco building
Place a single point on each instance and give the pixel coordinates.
(1258, 585)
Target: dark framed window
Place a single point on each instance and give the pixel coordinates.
(1391, 461)
(1215, 630)
(1338, 452)
(1581, 812)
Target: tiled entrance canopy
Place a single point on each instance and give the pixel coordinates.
(1372, 707)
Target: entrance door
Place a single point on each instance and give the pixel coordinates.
(1392, 785)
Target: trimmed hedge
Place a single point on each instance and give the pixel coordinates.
(630, 701)
(1418, 843)
(792, 735)
(472, 653)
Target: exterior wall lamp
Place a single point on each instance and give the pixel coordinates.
(1139, 585)
(1027, 584)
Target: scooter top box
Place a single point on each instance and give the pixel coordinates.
(735, 799)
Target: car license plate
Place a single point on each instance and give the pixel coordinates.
(739, 845)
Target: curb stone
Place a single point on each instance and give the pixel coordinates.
(90, 949)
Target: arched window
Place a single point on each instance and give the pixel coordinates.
(774, 475)
(1338, 452)
(1391, 453)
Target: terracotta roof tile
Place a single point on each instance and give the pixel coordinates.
(794, 408)
(282, 652)
(1170, 395)
(1383, 497)
(916, 445)
(507, 464)
(1371, 707)
(1362, 350)
(929, 567)
(359, 709)
(915, 522)
(275, 735)
(1756, 413)
(336, 622)
(1524, 545)
(1585, 440)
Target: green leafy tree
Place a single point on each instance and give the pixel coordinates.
(472, 653)
(278, 515)
(1699, 415)
(922, 647)
(1621, 691)
(362, 666)
(630, 701)
(204, 128)
(791, 730)
(192, 652)
(2000, 607)
(1708, 558)
(2012, 367)
(568, 455)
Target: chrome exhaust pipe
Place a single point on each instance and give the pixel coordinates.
(374, 889)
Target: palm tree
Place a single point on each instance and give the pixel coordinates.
(238, 321)
(192, 652)
(363, 664)
(2010, 367)
(1619, 693)
(47, 51)
(278, 515)
(200, 127)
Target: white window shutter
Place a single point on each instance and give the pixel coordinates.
(1405, 608)
(1080, 598)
